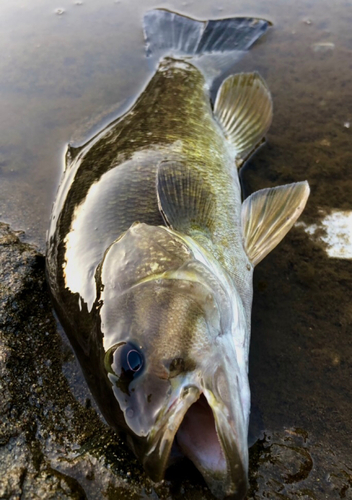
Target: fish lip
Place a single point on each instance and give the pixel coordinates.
(157, 447)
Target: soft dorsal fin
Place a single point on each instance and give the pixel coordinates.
(244, 109)
(185, 201)
(268, 215)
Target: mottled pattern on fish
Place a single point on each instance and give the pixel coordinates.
(173, 119)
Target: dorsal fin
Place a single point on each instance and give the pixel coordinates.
(268, 215)
(244, 109)
(185, 201)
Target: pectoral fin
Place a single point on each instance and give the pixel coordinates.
(184, 198)
(244, 109)
(268, 215)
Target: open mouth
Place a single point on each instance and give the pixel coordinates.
(207, 435)
(198, 440)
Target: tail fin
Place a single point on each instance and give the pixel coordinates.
(212, 46)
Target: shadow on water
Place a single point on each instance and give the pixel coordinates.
(64, 74)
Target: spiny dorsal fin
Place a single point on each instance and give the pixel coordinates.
(268, 215)
(185, 201)
(244, 109)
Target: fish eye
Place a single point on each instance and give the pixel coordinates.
(124, 360)
(134, 360)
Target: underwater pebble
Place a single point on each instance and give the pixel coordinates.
(59, 12)
(347, 124)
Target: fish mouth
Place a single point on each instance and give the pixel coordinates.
(205, 432)
(207, 437)
(155, 451)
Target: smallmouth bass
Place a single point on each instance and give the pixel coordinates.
(151, 251)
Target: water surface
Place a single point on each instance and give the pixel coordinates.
(68, 68)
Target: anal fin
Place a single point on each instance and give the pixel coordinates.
(244, 109)
(268, 215)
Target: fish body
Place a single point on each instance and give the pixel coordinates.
(150, 256)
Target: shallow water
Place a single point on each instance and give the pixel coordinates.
(68, 68)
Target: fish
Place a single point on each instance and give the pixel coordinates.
(151, 250)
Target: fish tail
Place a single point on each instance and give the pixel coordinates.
(212, 46)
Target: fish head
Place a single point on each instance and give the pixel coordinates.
(171, 359)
